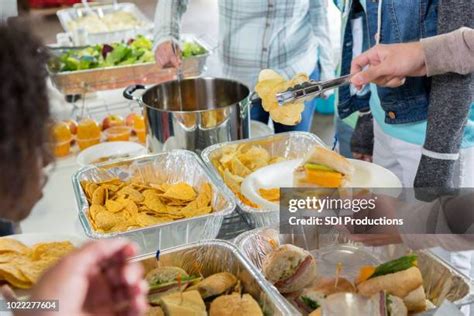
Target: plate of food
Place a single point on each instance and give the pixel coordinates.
(107, 152)
(25, 257)
(321, 168)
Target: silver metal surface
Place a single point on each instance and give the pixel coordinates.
(290, 145)
(174, 166)
(311, 89)
(195, 113)
(91, 80)
(213, 256)
(65, 16)
(439, 279)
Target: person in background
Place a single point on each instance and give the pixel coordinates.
(451, 95)
(417, 112)
(96, 279)
(401, 114)
(8, 9)
(286, 36)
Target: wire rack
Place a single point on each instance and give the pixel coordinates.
(102, 104)
(232, 226)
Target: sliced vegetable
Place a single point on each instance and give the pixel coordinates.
(364, 274)
(397, 265)
(184, 280)
(310, 303)
(317, 166)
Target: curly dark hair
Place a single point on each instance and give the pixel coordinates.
(24, 120)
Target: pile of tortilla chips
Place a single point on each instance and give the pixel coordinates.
(117, 206)
(235, 162)
(21, 266)
(269, 84)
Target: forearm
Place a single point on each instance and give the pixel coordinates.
(168, 20)
(450, 97)
(451, 52)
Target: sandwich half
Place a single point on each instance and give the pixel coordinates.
(166, 280)
(289, 268)
(400, 277)
(235, 305)
(183, 304)
(216, 284)
(323, 168)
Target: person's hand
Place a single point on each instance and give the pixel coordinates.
(385, 207)
(168, 54)
(388, 65)
(96, 279)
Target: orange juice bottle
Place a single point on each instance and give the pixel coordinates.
(62, 137)
(118, 133)
(139, 127)
(88, 133)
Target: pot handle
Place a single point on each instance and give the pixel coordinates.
(128, 92)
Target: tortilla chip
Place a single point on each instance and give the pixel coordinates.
(99, 196)
(12, 245)
(114, 206)
(180, 191)
(272, 195)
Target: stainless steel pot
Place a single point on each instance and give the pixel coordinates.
(193, 113)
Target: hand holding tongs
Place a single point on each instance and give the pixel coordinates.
(310, 89)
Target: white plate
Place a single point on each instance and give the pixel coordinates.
(280, 175)
(35, 238)
(88, 155)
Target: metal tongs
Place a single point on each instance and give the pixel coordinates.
(310, 89)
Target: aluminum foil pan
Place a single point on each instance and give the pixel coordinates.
(174, 166)
(440, 280)
(215, 256)
(291, 145)
(66, 16)
(98, 79)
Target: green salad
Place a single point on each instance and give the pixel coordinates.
(136, 51)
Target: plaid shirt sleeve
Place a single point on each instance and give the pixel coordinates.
(319, 21)
(168, 20)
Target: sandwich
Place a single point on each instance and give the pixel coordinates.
(311, 298)
(235, 305)
(183, 303)
(166, 280)
(400, 277)
(323, 168)
(289, 268)
(215, 284)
